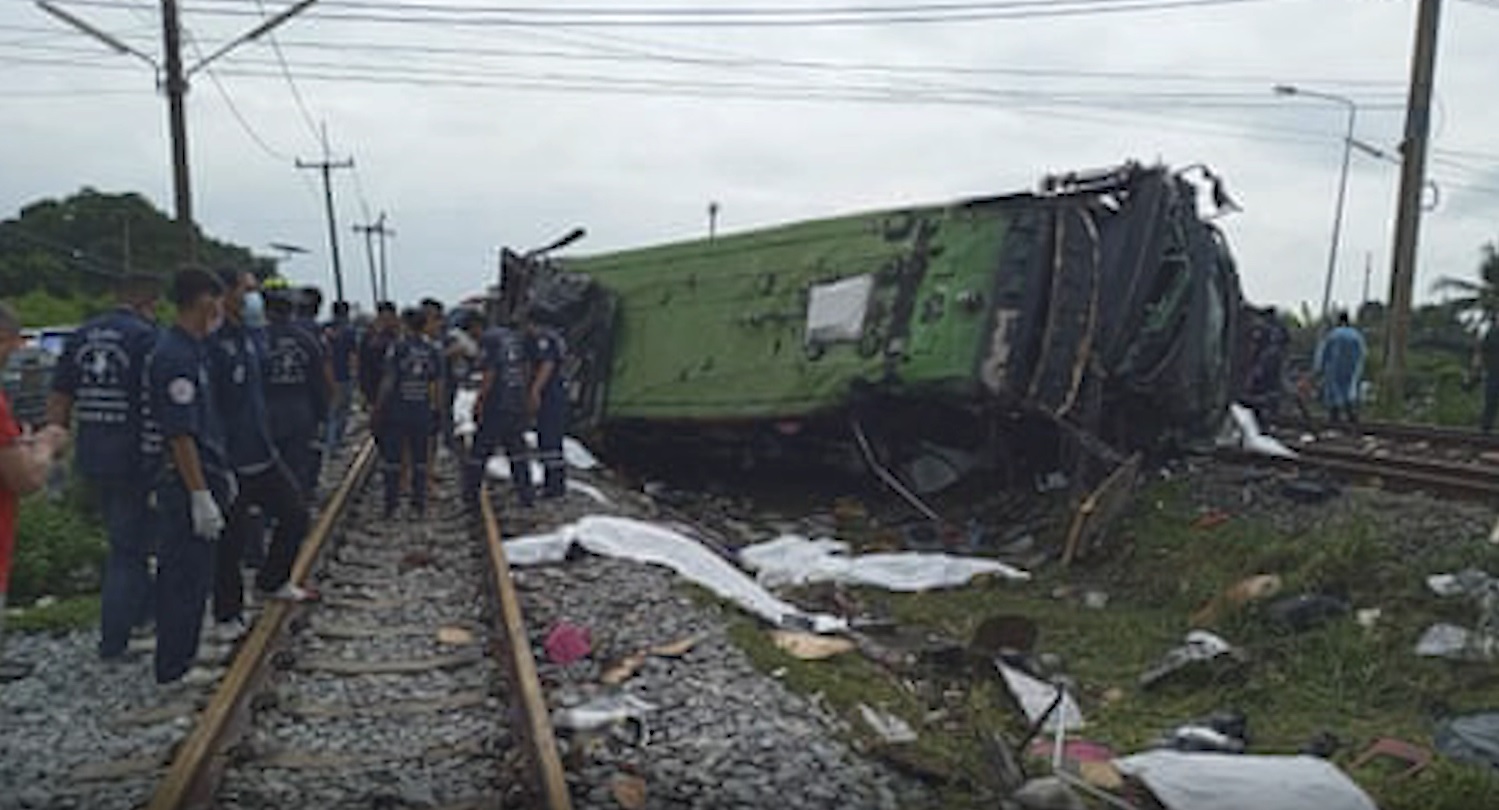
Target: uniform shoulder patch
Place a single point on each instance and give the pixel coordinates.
(182, 391)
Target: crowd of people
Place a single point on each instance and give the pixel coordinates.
(202, 438)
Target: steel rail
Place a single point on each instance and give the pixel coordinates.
(537, 730)
(1461, 479)
(190, 779)
(1409, 431)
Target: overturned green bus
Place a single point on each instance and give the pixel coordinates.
(1098, 311)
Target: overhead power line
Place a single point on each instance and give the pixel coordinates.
(457, 15)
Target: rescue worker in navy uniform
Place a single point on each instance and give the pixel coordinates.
(373, 346)
(500, 413)
(403, 411)
(99, 380)
(296, 393)
(194, 487)
(309, 302)
(547, 403)
(264, 479)
(343, 359)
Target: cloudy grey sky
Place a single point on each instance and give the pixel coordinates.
(477, 129)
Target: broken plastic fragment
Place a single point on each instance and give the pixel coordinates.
(1036, 698)
(602, 711)
(890, 728)
(1201, 646)
(1251, 440)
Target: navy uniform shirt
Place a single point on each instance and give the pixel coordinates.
(103, 367)
(183, 402)
(546, 345)
(411, 366)
(341, 345)
(236, 362)
(505, 355)
(295, 398)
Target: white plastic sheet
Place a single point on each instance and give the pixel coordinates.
(577, 456)
(628, 539)
(1191, 781)
(793, 560)
(1036, 696)
(1251, 439)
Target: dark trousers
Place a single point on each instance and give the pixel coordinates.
(551, 425)
(280, 500)
(1490, 400)
(127, 599)
(503, 429)
(184, 576)
(298, 449)
(394, 438)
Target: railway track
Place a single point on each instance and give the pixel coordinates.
(399, 688)
(1443, 461)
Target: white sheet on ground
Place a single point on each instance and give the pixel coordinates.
(793, 560)
(1251, 439)
(1188, 781)
(577, 456)
(1035, 697)
(628, 539)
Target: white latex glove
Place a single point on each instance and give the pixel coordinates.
(208, 520)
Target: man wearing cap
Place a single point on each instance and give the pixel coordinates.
(99, 381)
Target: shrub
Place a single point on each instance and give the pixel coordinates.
(59, 551)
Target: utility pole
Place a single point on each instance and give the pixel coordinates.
(1412, 182)
(369, 254)
(1368, 275)
(382, 231)
(176, 89)
(712, 220)
(326, 166)
(174, 83)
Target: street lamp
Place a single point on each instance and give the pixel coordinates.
(1337, 219)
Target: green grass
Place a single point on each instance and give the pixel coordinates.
(1357, 684)
(62, 616)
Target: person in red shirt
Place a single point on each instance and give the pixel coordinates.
(25, 457)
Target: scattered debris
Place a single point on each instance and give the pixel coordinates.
(1211, 520)
(678, 648)
(455, 636)
(1048, 793)
(628, 791)
(1388, 747)
(1003, 634)
(619, 671)
(1323, 745)
(605, 710)
(1444, 640)
(810, 646)
(1043, 703)
(1249, 437)
(890, 728)
(1309, 491)
(792, 560)
(1368, 618)
(1201, 647)
(1253, 589)
(1470, 738)
(567, 642)
(1188, 781)
(1306, 611)
(1221, 733)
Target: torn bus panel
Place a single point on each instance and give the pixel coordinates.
(1102, 306)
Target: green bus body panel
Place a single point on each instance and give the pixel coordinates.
(716, 329)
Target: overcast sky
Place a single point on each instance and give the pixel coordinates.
(471, 134)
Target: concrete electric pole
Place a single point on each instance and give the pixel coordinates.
(326, 166)
(175, 84)
(1408, 217)
(379, 282)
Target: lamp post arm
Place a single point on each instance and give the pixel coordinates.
(253, 34)
(109, 41)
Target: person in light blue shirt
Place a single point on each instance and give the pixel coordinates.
(1340, 364)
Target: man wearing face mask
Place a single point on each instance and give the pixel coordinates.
(264, 479)
(99, 381)
(195, 486)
